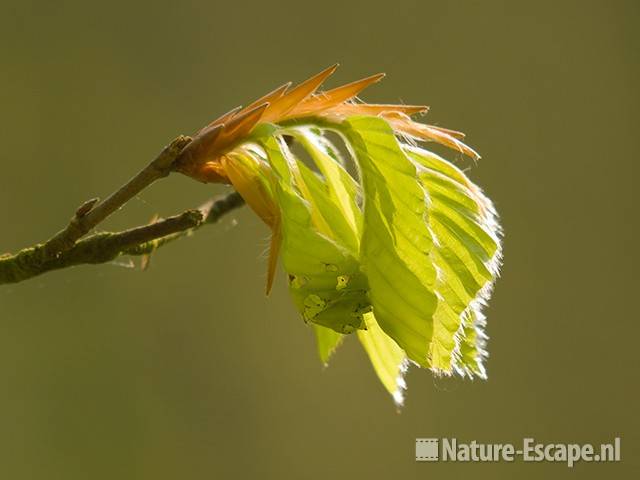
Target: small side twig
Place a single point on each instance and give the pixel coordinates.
(106, 246)
(211, 211)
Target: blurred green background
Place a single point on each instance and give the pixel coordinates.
(187, 370)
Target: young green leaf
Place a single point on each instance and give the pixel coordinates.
(405, 253)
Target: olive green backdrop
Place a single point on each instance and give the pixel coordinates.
(187, 371)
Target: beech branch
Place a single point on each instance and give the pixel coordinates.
(92, 212)
(68, 248)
